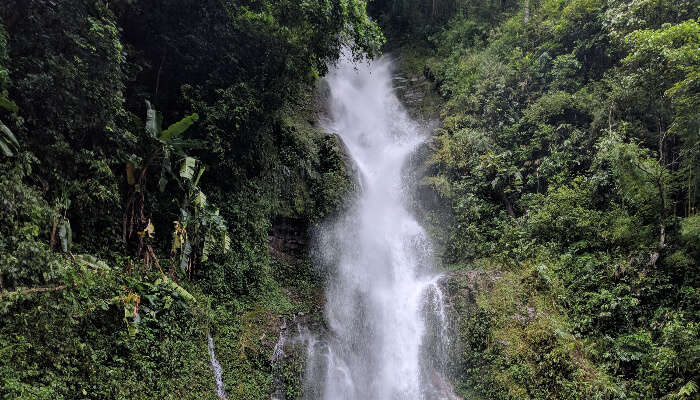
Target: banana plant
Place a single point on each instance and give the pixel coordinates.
(161, 144)
(8, 142)
(167, 142)
(200, 226)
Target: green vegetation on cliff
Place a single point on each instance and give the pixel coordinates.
(146, 143)
(148, 149)
(568, 159)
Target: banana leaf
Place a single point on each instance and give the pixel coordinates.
(187, 169)
(65, 233)
(8, 141)
(178, 128)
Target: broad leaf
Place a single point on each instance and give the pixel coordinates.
(179, 127)
(187, 169)
(7, 104)
(186, 251)
(8, 141)
(200, 199)
(91, 261)
(207, 247)
(65, 233)
(199, 175)
(181, 292)
(184, 216)
(5, 149)
(226, 242)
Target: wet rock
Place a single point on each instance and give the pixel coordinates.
(288, 238)
(462, 287)
(528, 314)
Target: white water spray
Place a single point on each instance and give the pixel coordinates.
(384, 308)
(216, 367)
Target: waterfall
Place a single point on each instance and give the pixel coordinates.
(277, 359)
(216, 367)
(387, 324)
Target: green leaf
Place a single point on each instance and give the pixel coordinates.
(181, 292)
(91, 261)
(8, 141)
(685, 392)
(184, 216)
(166, 161)
(179, 127)
(133, 329)
(186, 251)
(7, 104)
(199, 175)
(207, 247)
(226, 242)
(5, 149)
(187, 169)
(200, 199)
(65, 233)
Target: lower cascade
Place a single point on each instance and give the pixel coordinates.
(216, 367)
(387, 336)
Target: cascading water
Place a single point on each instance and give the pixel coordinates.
(216, 367)
(384, 308)
(277, 358)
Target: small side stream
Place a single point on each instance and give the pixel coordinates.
(220, 391)
(277, 359)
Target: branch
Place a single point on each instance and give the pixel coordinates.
(662, 245)
(52, 242)
(35, 290)
(153, 254)
(509, 206)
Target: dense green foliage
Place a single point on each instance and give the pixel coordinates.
(568, 160)
(147, 143)
(147, 148)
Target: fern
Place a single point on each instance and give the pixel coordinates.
(685, 392)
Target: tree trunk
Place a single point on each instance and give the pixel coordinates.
(654, 257)
(509, 206)
(36, 290)
(662, 245)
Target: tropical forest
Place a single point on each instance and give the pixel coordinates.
(350, 199)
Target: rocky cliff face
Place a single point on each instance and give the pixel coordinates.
(462, 290)
(289, 238)
(462, 287)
